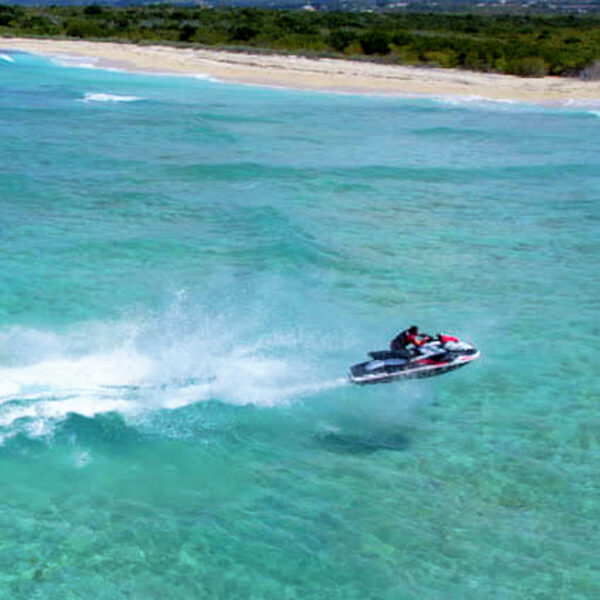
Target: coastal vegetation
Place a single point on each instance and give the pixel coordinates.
(525, 45)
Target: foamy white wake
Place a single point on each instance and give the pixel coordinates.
(7, 58)
(102, 97)
(133, 368)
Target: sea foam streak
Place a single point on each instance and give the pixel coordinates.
(480, 103)
(7, 58)
(102, 97)
(68, 60)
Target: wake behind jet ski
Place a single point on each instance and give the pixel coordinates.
(413, 355)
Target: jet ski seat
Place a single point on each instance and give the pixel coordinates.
(387, 354)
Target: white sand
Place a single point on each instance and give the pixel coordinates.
(315, 74)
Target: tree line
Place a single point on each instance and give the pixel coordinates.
(525, 45)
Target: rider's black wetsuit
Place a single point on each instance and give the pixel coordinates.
(400, 341)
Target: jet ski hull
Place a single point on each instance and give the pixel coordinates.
(433, 359)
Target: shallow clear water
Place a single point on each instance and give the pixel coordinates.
(188, 268)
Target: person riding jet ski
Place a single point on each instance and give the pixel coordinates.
(409, 337)
(413, 354)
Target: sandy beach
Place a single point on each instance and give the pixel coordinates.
(313, 74)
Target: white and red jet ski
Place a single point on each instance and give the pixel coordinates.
(436, 356)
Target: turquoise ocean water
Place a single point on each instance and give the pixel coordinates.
(188, 268)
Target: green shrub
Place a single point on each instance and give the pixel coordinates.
(187, 32)
(354, 49)
(243, 33)
(530, 66)
(81, 28)
(375, 42)
(442, 58)
(340, 39)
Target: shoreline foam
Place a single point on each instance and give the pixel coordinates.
(324, 74)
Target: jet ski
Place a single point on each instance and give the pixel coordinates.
(438, 355)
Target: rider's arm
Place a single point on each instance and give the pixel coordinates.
(422, 340)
